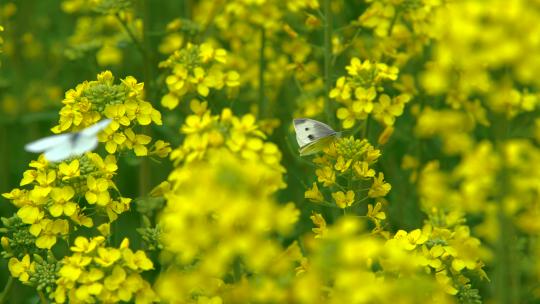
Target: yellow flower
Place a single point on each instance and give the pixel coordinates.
(29, 176)
(31, 211)
(363, 170)
(319, 221)
(246, 124)
(379, 187)
(117, 277)
(83, 245)
(342, 165)
(356, 66)
(117, 112)
(202, 82)
(364, 100)
(97, 191)
(314, 194)
(21, 269)
(137, 260)
(143, 112)
(113, 140)
(160, 149)
(62, 203)
(342, 91)
(107, 256)
(412, 239)
(45, 180)
(134, 88)
(107, 167)
(46, 231)
(375, 212)
(326, 176)
(344, 200)
(67, 171)
(109, 54)
(170, 101)
(73, 266)
(137, 142)
(348, 117)
(232, 79)
(104, 229)
(196, 123)
(387, 110)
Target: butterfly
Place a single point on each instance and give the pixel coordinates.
(59, 147)
(312, 136)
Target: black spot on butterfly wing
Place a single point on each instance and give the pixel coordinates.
(73, 138)
(310, 136)
(321, 132)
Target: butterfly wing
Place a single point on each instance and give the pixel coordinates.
(60, 147)
(46, 143)
(83, 144)
(318, 145)
(60, 151)
(94, 129)
(309, 131)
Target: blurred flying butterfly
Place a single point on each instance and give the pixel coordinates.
(59, 147)
(312, 136)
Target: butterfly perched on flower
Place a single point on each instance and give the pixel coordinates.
(59, 147)
(312, 136)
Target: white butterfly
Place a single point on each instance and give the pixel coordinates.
(63, 146)
(312, 136)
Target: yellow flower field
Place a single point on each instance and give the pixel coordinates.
(269, 151)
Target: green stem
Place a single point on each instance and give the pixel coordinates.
(187, 9)
(42, 297)
(507, 284)
(4, 164)
(393, 22)
(327, 62)
(7, 290)
(132, 36)
(145, 46)
(262, 66)
(365, 129)
(216, 7)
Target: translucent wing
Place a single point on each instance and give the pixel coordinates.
(318, 145)
(83, 144)
(309, 131)
(43, 144)
(59, 152)
(94, 129)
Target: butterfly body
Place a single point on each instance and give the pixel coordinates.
(59, 147)
(312, 135)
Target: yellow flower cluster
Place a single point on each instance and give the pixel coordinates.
(240, 135)
(451, 126)
(345, 254)
(96, 273)
(360, 94)
(347, 169)
(103, 33)
(218, 226)
(50, 205)
(123, 103)
(197, 69)
(179, 31)
(479, 45)
(480, 185)
(265, 32)
(401, 29)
